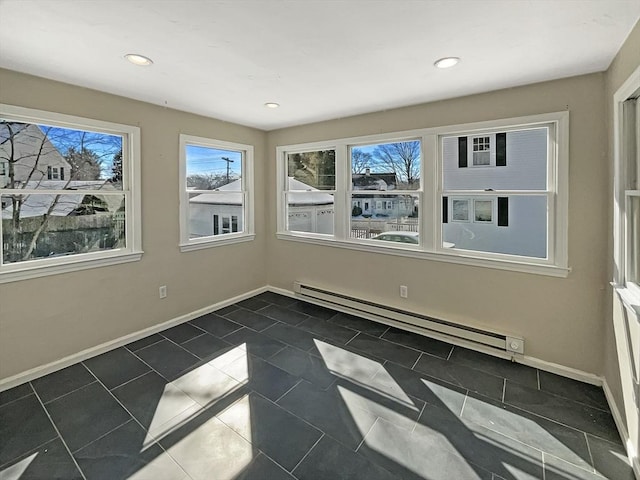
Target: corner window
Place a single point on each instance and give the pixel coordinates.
(309, 192)
(216, 192)
(627, 185)
(69, 191)
(418, 194)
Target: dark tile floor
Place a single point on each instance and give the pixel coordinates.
(273, 388)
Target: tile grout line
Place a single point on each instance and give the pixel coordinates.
(593, 464)
(464, 403)
(538, 377)
(64, 443)
(68, 393)
(307, 454)
(424, 407)
(504, 389)
(450, 352)
(416, 362)
(368, 431)
(132, 379)
(294, 386)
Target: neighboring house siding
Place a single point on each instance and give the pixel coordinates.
(525, 169)
(26, 141)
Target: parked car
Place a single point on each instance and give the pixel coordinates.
(405, 237)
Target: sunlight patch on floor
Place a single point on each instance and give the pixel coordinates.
(15, 471)
(204, 385)
(360, 370)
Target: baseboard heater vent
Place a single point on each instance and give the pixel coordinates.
(413, 321)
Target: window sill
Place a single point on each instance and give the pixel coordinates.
(629, 297)
(208, 243)
(27, 272)
(461, 259)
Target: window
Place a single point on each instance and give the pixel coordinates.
(627, 186)
(481, 151)
(70, 196)
(483, 211)
(216, 192)
(412, 193)
(519, 194)
(309, 191)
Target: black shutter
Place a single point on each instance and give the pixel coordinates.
(445, 209)
(49, 173)
(462, 152)
(501, 149)
(216, 227)
(503, 211)
(61, 173)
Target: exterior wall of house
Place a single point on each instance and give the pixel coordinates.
(201, 217)
(311, 218)
(109, 302)
(546, 311)
(25, 142)
(525, 169)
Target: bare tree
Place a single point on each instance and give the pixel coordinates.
(31, 159)
(209, 181)
(360, 161)
(85, 164)
(401, 158)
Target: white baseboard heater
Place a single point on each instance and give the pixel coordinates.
(415, 322)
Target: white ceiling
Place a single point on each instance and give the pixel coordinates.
(318, 59)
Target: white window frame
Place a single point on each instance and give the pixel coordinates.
(430, 193)
(493, 213)
(492, 158)
(130, 188)
(630, 291)
(469, 210)
(248, 234)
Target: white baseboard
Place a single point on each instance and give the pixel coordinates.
(632, 455)
(40, 371)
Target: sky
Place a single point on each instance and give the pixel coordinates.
(208, 160)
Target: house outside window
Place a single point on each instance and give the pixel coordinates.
(511, 216)
(70, 193)
(216, 183)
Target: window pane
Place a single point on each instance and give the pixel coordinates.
(211, 168)
(45, 157)
(633, 239)
(515, 225)
(373, 215)
(44, 226)
(310, 212)
(312, 169)
(522, 165)
(387, 166)
(216, 213)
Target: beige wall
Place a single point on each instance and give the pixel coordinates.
(559, 318)
(626, 62)
(46, 319)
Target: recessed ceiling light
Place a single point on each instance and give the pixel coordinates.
(446, 62)
(272, 105)
(137, 59)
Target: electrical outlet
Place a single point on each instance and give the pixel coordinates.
(163, 291)
(404, 291)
